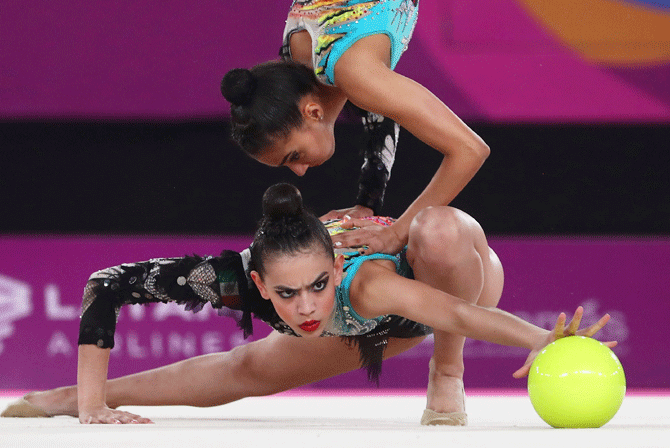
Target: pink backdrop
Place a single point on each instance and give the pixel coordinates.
(41, 280)
(489, 60)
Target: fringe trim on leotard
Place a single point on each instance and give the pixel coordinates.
(371, 349)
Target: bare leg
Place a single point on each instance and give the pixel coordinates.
(448, 250)
(271, 365)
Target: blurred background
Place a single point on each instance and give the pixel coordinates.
(114, 147)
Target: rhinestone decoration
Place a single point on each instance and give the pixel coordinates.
(199, 280)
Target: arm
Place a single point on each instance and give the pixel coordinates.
(92, 366)
(377, 290)
(364, 77)
(192, 281)
(378, 158)
(96, 339)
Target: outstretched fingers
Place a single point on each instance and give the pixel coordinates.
(593, 329)
(576, 321)
(590, 331)
(559, 328)
(561, 331)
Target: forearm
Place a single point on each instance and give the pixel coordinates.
(92, 365)
(451, 177)
(377, 291)
(464, 152)
(454, 315)
(379, 156)
(497, 326)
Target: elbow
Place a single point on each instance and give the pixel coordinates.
(485, 151)
(472, 155)
(480, 151)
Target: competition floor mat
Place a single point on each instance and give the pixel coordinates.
(346, 418)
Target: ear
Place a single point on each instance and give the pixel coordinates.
(338, 265)
(312, 109)
(256, 277)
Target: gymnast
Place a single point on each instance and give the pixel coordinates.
(283, 112)
(332, 312)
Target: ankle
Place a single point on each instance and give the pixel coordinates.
(445, 390)
(446, 371)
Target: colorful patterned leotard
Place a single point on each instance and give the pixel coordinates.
(335, 25)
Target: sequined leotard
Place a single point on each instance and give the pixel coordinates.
(335, 25)
(222, 282)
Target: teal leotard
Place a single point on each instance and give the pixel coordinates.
(346, 321)
(335, 25)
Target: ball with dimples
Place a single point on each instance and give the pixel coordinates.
(576, 382)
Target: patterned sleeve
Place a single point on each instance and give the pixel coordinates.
(378, 158)
(192, 280)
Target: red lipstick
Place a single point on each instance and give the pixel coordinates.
(310, 325)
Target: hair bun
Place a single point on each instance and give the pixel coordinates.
(238, 86)
(282, 200)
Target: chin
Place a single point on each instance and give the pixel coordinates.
(316, 334)
(310, 334)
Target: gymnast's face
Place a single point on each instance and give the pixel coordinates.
(301, 288)
(307, 146)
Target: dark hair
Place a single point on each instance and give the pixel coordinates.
(264, 101)
(286, 228)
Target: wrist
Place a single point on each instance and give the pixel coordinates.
(399, 235)
(540, 340)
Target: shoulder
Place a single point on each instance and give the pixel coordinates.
(364, 75)
(364, 59)
(371, 288)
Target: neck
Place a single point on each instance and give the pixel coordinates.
(333, 100)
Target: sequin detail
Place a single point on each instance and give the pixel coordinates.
(335, 25)
(202, 280)
(199, 280)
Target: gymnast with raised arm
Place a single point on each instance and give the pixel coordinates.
(332, 312)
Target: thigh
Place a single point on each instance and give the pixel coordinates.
(493, 275)
(448, 249)
(280, 362)
(494, 279)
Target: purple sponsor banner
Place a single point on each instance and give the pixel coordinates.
(41, 284)
(492, 60)
(41, 280)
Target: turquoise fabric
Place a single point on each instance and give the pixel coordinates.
(335, 26)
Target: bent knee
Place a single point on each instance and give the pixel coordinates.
(436, 222)
(437, 235)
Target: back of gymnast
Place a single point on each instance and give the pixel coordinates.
(332, 313)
